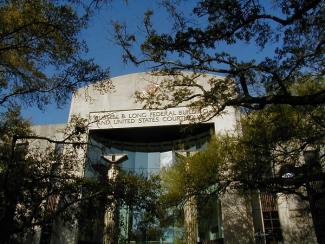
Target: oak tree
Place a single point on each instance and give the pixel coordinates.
(287, 35)
(42, 56)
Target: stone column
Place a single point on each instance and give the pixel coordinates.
(190, 210)
(111, 210)
(190, 220)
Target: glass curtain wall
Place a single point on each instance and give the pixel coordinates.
(148, 163)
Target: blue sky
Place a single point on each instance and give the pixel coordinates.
(99, 37)
(102, 49)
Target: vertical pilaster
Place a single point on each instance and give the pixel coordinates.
(190, 220)
(111, 209)
(190, 210)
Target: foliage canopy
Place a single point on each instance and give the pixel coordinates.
(42, 61)
(41, 54)
(288, 35)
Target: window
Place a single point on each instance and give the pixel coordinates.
(273, 233)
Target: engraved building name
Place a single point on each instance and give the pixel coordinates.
(143, 118)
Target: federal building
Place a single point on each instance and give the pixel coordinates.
(150, 140)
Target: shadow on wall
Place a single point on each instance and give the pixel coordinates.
(296, 222)
(63, 232)
(237, 218)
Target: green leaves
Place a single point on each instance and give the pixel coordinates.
(206, 172)
(269, 139)
(286, 37)
(41, 53)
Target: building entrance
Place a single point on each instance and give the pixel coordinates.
(149, 150)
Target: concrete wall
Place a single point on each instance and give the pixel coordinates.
(237, 218)
(52, 131)
(61, 234)
(89, 100)
(295, 220)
